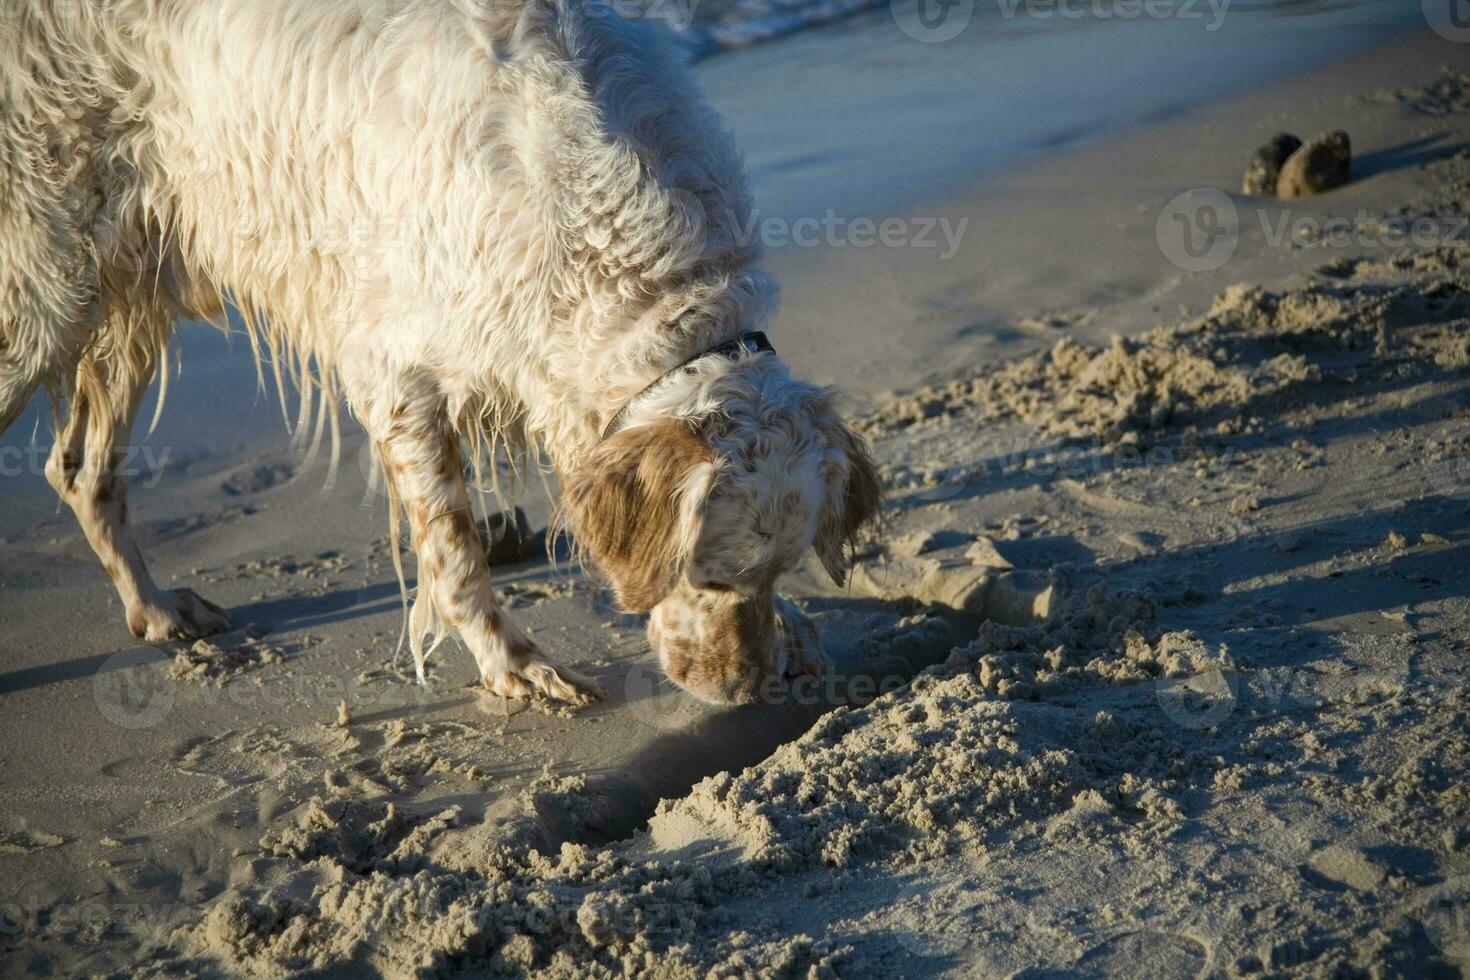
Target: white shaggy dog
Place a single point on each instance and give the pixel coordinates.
(480, 222)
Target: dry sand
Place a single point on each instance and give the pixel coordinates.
(1184, 610)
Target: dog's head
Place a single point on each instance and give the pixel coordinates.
(694, 520)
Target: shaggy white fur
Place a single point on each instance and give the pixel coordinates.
(481, 222)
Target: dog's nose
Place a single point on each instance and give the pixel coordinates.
(719, 672)
(711, 656)
(716, 679)
(740, 688)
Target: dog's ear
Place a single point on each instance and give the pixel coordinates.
(637, 506)
(853, 496)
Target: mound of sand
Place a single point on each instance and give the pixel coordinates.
(1249, 350)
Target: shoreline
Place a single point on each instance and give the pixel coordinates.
(1072, 239)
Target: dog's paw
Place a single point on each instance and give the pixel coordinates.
(540, 676)
(803, 644)
(181, 615)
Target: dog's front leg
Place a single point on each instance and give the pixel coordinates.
(88, 469)
(420, 454)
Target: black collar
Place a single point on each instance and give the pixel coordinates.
(752, 342)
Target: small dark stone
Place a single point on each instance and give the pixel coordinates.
(1324, 163)
(508, 538)
(1260, 175)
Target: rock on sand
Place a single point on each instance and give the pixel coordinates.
(1265, 166)
(1321, 165)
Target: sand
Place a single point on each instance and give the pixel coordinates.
(1158, 666)
(1257, 790)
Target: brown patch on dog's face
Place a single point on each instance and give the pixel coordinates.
(721, 646)
(636, 505)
